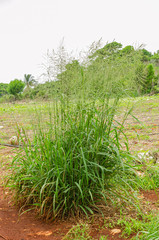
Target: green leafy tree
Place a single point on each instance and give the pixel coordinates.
(146, 79)
(150, 75)
(140, 77)
(15, 87)
(3, 89)
(155, 58)
(152, 80)
(109, 50)
(146, 55)
(127, 50)
(113, 69)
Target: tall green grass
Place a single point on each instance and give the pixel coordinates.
(77, 161)
(74, 160)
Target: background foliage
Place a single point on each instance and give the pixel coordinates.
(124, 70)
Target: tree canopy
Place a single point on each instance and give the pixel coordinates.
(15, 87)
(3, 89)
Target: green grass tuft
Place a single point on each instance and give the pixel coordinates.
(75, 161)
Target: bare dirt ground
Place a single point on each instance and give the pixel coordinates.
(29, 227)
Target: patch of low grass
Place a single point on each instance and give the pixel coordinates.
(130, 226)
(136, 127)
(146, 228)
(103, 238)
(80, 232)
(142, 226)
(144, 137)
(132, 135)
(150, 230)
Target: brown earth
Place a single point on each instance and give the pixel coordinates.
(27, 226)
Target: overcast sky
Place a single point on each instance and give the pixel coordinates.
(28, 28)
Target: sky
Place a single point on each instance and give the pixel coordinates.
(29, 28)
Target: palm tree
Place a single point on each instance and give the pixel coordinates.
(29, 80)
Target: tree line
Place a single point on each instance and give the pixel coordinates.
(112, 68)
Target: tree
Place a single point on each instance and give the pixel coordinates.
(146, 55)
(109, 50)
(29, 80)
(128, 49)
(155, 58)
(149, 81)
(3, 89)
(15, 87)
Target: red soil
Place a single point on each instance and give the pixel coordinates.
(28, 227)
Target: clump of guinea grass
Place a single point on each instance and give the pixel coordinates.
(75, 161)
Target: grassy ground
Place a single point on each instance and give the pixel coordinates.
(142, 131)
(143, 136)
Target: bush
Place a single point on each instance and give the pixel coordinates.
(7, 98)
